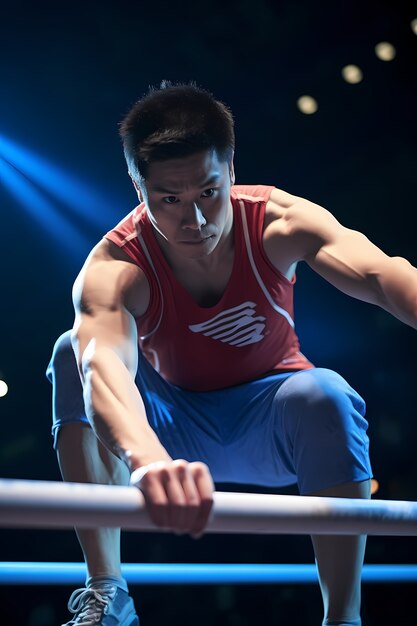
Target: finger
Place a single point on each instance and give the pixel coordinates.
(155, 496)
(176, 498)
(205, 486)
(186, 513)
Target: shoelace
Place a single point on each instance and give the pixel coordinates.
(88, 604)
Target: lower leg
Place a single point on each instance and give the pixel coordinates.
(82, 458)
(339, 561)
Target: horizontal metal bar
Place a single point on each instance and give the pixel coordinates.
(43, 504)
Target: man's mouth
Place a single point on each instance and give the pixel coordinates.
(196, 242)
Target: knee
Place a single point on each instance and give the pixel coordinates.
(321, 397)
(62, 348)
(63, 357)
(325, 428)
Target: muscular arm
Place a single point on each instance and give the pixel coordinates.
(108, 294)
(359, 268)
(105, 342)
(344, 257)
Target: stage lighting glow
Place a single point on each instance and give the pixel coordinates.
(3, 388)
(352, 74)
(81, 198)
(39, 208)
(307, 105)
(385, 51)
(414, 26)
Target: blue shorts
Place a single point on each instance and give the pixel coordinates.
(305, 427)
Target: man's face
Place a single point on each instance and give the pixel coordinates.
(188, 203)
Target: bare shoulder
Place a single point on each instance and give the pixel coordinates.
(291, 213)
(293, 228)
(110, 279)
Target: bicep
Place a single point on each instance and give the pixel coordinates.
(115, 331)
(342, 256)
(102, 322)
(349, 261)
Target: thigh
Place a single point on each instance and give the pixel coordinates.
(321, 428)
(185, 422)
(67, 392)
(230, 429)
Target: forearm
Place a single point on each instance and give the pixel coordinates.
(116, 411)
(398, 290)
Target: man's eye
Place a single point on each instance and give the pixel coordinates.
(208, 193)
(170, 199)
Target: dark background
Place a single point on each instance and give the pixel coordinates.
(68, 74)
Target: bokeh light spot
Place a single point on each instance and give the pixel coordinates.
(352, 74)
(307, 105)
(385, 51)
(3, 388)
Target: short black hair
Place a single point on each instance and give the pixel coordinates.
(174, 121)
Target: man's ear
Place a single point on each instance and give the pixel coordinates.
(232, 172)
(140, 193)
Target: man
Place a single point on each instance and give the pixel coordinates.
(200, 277)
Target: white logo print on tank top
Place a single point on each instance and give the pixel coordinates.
(238, 326)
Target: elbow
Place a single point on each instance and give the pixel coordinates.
(88, 358)
(100, 358)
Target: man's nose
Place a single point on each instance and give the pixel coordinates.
(194, 218)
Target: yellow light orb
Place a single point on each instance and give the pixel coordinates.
(352, 74)
(3, 388)
(385, 51)
(307, 105)
(414, 26)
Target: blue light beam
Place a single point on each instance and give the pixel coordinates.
(40, 208)
(73, 193)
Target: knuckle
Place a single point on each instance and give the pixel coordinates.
(146, 479)
(180, 463)
(199, 467)
(162, 473)
(181, 468)
(181, 473)
(153, 472)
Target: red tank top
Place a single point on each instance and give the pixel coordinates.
(248, 334)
